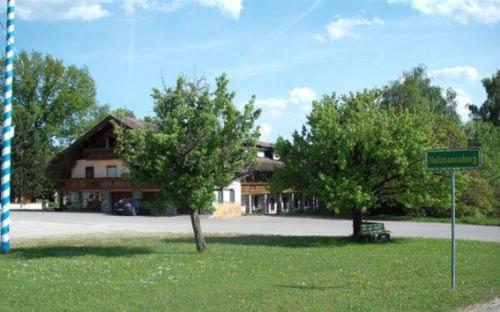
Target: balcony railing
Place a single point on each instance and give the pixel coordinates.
(254, 188)
(99, 153)
(96, 184)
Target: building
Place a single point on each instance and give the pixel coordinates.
(89, 176)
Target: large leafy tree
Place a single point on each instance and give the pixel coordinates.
(490, 110)
(355, 155)
(196, 142)
(53, 105)
(414, 92)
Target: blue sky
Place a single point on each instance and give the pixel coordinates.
(286, 52)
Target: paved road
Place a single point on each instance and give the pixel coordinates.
(28, 225)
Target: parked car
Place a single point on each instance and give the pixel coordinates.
(127, 206)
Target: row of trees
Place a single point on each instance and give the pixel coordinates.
(365, 151)
(357, 153)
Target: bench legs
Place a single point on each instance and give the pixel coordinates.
(385, 236)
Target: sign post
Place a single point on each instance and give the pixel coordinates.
(452, 160)
(453, 243)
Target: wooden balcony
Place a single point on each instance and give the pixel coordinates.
(254, 188)
(99, 153)
(97, 184)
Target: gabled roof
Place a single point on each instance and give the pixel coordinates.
(66, 158)
(63, 162)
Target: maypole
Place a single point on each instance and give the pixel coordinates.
(7, 129)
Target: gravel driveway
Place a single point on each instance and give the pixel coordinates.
(28, 225)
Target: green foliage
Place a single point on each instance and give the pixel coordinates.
(356, 155)
(159, 207)
(123, 112)
(486, 188)
(490, 110)
(197, 142)
(415, 93)
(53, 105)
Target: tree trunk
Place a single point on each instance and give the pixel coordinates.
(357, 219)
(198, 235)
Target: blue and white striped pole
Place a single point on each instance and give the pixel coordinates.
(7, 129)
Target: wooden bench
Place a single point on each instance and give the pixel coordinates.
(373, 231)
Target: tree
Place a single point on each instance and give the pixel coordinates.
(53, 105)
(196, 142)
(355, 155)
(415, 93)
(490, 110)
(487, 136)
(123, 112)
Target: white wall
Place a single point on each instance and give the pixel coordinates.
(78, 171)
(236, 186)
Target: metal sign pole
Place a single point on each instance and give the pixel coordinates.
(453, 159)
(453, 245)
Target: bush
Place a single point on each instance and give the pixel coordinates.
(159, 207)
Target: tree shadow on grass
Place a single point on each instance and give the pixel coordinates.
(36, 252)
(280, 241)
(305, 287)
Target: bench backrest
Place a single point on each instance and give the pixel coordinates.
(372, 227)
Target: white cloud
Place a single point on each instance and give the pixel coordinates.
(346, 27)
(55, 10)
(463, 100)
(456, 73)
(272, 107)
(231, 8)
(276, 108)
(462, 11)
(265, 131)
(301, 96)
(271, 103)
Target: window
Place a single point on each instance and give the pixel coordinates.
(220, 196)
(231, 196)
(111, 142)
(89, 172)
(111, 171)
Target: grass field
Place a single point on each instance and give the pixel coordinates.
(257, 273)
(464, 220)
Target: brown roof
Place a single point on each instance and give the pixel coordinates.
(131, 123)
(267, 164)
(264, 144)
(66, 158)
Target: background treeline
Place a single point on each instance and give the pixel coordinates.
(358, 153)
(363, 153)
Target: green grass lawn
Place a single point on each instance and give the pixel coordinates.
(255, 273)
(464, 220)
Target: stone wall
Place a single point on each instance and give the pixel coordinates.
(227, 210)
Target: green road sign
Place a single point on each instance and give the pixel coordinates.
(454, 159)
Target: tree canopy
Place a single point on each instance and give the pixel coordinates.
(490, 110)
(415, 92)
(197, 141)
(365, 151)
(53, 105)
(356, 155)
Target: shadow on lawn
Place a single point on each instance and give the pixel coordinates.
(305, 287)
(36, 252)
(278, 241)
